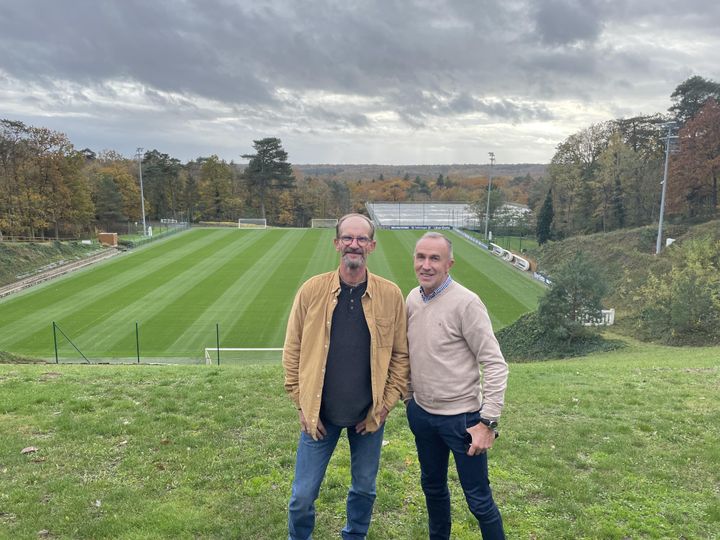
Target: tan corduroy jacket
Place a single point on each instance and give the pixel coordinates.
(308, 339)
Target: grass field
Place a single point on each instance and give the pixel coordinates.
(179, 288)
(621, 445)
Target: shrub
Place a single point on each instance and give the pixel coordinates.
(528, 340)
(682, 306)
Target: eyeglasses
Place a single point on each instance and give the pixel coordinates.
(362, 241)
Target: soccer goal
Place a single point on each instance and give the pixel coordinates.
(252, 223)
(242, 355)
(323, 223)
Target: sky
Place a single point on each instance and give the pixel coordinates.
(394, 82)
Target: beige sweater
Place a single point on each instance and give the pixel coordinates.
(450, 337)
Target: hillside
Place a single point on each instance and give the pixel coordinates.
(21, 260)
(629, 251)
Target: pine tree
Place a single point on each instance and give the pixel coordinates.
(545, 218)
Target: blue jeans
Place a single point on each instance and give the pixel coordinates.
(310, 465)
(435, 437)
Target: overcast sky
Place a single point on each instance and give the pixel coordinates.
(348, 81)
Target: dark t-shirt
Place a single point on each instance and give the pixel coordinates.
(347, 392)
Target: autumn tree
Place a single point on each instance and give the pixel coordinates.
(572, 172)
(690, 96)
(268, 170)
(693, 184)
(218, 200)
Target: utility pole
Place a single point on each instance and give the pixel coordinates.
(668, 136)
(487, 210)
(139, 156)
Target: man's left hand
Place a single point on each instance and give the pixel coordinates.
(482, 439)
(361, 428)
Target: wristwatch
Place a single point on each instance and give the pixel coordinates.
(491, 424)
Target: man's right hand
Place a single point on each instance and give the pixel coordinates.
(305, 427)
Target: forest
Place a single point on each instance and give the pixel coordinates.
(605, 177)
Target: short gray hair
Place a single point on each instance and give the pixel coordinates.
(433, 234)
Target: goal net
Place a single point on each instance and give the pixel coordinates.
(323, 223)
(252, 223)
(242, 355)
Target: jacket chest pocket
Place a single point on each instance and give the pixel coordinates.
(384, 327)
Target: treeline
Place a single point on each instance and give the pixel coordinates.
(50, 189)
(608, 176)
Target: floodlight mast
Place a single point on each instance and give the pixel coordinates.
(487, 210)
(139, 156)
(670, 126)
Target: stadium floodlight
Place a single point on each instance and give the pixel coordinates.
(139, 156)
(670, 126)
(487, 211)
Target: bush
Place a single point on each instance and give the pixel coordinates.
(528, 339)
(573, 299)
(682, 306)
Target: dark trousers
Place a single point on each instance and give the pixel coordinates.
(435, 437)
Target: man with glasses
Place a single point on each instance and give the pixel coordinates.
(451, 407)
(346, 365)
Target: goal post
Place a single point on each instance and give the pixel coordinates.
(252, 223)
(323, 223)
(242, 355)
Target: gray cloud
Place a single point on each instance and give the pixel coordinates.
(206, 72)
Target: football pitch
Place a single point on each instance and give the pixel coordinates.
(175, 297)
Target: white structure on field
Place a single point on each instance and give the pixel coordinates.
(252, 223)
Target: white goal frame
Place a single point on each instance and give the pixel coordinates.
(210, 351)
(323, 223)
(252, 223)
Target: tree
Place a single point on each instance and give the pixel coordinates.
(108, 205)
(268, 169)
(215, 191)
(543, 230)
(690, 96)
(161, 174)
(693, 189)
(572, 172)
(575, 297)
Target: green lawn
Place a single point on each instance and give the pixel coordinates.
(622, 445)
(178, 289)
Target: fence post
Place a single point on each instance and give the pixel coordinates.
(55, 342)
(217, 337)
(137, 340)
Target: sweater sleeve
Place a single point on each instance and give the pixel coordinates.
(478, 333)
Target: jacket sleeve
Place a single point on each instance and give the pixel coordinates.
(398, 376)
(291, 348)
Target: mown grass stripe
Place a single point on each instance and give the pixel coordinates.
(92, 291)
(393, 258)
(87, 311)
(194, 307)
(158, 310)
(244, 280)
(241, 294)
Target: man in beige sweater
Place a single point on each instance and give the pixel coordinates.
(450, 406)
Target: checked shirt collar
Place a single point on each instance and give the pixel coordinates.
(441, 288)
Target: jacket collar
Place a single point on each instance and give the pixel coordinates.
(335, 283)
